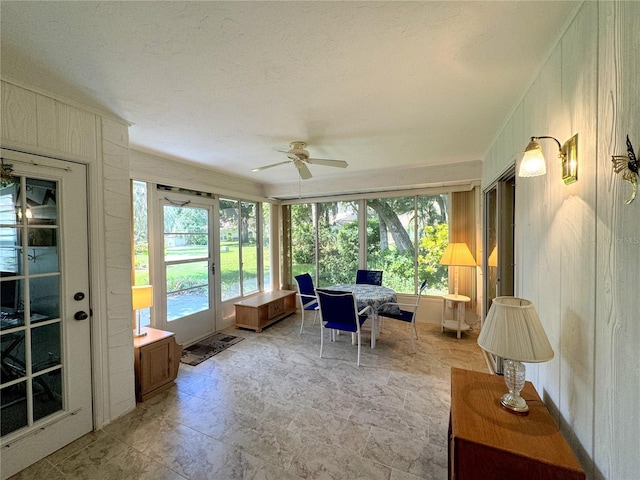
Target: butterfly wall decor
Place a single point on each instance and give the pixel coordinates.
(629, 166)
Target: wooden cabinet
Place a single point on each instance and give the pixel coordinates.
(156, 362)
(265, 308)
(488, 442)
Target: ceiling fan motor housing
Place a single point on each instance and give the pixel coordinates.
(298, 151)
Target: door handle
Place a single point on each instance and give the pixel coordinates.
(81, 315)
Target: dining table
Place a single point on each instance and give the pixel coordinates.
(368, 295)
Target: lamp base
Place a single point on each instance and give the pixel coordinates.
(515, 404)
(514, 373)
(138, 333)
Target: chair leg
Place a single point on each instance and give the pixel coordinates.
(413, 342)
(358, 363)
(302, 322)
(321, 339)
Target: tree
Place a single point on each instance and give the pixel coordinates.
(388, 214)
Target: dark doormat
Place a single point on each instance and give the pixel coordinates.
(207, 348)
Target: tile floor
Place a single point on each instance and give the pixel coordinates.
(269, 408)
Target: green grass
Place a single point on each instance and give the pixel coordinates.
(180, 276)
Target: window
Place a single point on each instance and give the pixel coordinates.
(303, 240)
(141, 242)
(238, 248)
(405, 237)
(266, 246)
(249, 248)
(229, 248)
(337, 242)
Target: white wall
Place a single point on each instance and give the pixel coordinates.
(578, 246)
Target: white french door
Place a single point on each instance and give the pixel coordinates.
(188, 268)
(45, 387)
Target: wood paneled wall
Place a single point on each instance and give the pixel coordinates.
(617, 247)
(578, 246)
(37, 123)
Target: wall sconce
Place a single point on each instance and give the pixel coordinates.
(629, 166)
(533, 163)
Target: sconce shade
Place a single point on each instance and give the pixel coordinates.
(457, 254)
(532, 164)
(142, 296)
(513, 330)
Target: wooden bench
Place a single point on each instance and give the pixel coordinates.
(264, 309)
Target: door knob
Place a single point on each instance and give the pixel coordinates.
(81, 315)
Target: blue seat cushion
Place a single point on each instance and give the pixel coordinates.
(344, 326)
(403, 315)
(311, 306)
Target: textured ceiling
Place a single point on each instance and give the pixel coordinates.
(228, 84)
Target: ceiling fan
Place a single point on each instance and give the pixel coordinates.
(300, 158)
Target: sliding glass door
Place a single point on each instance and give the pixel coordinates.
(188, 266)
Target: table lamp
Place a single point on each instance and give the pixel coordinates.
(457, 255)
(513, 331)
(142, 297)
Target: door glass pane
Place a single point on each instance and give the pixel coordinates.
(29, 260)
(229, 249)
(249, 248)
(266, 246)
(45, 347)
(45, 298)
(186, 255)
(42, 251)
(303, 240)
(47, 394)
(13, 400)
(337, 242)
(12, 314)
(491, 205)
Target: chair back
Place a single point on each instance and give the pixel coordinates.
(338, 310)
(305, 288)
(423, 285)
(369, 277)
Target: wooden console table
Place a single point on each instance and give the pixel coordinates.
(156, 362)
(265, 308)
(488, 442)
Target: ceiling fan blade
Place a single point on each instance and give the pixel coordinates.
(328, 163)
(269, 166)
(303, 170)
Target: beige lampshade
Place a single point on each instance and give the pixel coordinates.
(513, 330)
(493, 257)
(458, 254)
(142, 296)
(532, 164)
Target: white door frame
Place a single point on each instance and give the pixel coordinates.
(20, 448)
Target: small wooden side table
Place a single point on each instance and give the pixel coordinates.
(487, 442)
(156, 362)
(456, 321)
